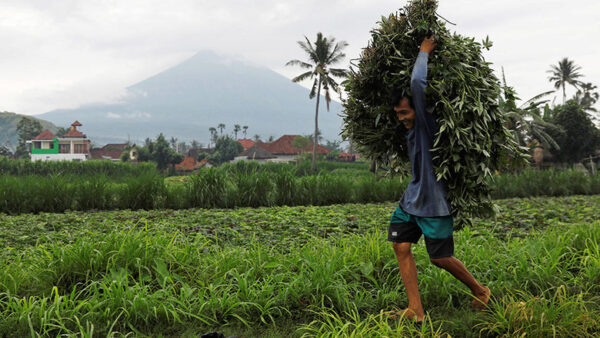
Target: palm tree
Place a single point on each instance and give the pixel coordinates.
(319, 136)
(525, 121)
(236, 129)
(221, 126)
(324, 53)
(245, 131)
(256, 138)
(587, 96)
(213, 135)
(565, 72)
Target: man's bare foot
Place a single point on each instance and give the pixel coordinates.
(407, 313)
(481, 300)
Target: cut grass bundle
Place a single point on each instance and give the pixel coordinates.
(472, 140)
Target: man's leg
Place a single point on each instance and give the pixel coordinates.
(458, 270)
(440, 247)
(408, 271)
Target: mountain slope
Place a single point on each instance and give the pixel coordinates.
(186, 100)
(8, 128)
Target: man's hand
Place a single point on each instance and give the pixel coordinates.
(428, 45)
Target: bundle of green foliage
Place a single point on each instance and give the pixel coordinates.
(462, 92)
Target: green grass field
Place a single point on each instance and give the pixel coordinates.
(294, 271)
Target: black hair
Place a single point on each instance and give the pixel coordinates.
(397, 95)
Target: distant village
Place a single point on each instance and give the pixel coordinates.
(76, 146)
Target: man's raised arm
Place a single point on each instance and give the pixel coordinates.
(418, 81)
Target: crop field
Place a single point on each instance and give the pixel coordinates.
(294, 271)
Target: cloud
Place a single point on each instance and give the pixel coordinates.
(60, 54)
(138, 115)
(132, 116)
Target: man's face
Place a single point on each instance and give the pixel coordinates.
(405, 113)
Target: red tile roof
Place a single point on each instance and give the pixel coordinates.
(76, 124)
(45, 135)
(246, 143)
(74, 133)
(283, 146)
(188, 164)
(102, 154)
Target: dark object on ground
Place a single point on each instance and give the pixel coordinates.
(213, 335)
(216, 335)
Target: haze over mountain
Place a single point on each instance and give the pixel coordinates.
(184, 101)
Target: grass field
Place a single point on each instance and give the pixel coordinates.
(294, 271)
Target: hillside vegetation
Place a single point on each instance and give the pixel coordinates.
(8, 128)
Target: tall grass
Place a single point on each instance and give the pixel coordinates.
(208, 189)
(109, 169)
(302, 168)
(244, 184)
(530, 183)
(146, 191)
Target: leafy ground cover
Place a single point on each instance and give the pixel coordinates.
(293, 271)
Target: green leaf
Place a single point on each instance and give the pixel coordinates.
(366, 268)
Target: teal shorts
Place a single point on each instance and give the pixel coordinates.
(431, 227)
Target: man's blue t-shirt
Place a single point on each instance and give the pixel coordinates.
(424, 196)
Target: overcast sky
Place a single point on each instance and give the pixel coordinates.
(65, 53)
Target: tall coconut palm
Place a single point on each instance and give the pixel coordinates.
(221, 126)
(321, 55)
(213, 135)
(245, 130)
(236, 129)
(565, 72)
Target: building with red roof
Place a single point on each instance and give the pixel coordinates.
(280, 150)
(284, 146)
(111, 151)
(72, 146)
(347, 157)
(246, 143)
(46, 135)
(190, 164)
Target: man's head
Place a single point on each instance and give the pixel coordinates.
(404, 109)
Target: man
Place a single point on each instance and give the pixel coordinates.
(424, 209)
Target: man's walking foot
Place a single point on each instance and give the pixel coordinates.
(406, 313)
(481, 300)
